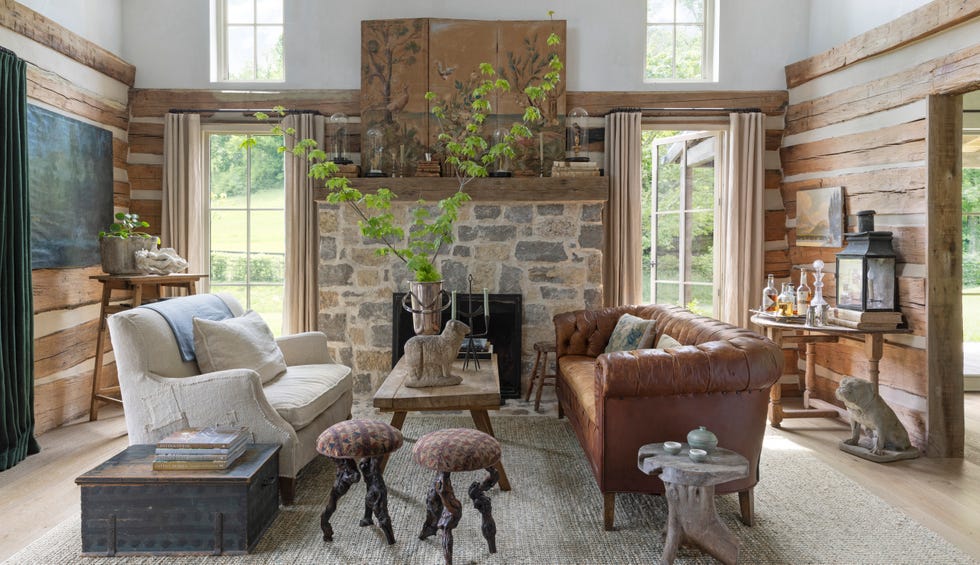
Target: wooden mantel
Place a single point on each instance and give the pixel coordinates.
(517, 189)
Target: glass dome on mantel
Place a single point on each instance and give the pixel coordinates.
(373, 152)
(577, 134)
(501, 165)
(339, 131)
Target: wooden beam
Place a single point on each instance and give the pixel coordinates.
(944, 264)
(518, 189)
(887, 191)
(56, 289)
(157, 102)
(771, 102)
(58, 92)
(916, 25)
(47, 32)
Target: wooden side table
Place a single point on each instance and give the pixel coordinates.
(690, 490)
(135, 283)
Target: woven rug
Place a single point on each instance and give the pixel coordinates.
(806, 512)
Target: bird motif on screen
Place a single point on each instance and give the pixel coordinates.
(444, 72)
(399, 102)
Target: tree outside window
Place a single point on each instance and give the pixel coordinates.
(249, 41)
(679, 40)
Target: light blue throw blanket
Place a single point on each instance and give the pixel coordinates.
(180, 314)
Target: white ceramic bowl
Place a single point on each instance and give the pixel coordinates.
(698, 455)
(672, 447)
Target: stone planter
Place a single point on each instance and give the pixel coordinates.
(117, 253)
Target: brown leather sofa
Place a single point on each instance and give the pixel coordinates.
(617, 402)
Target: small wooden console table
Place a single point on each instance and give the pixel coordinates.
(135, 283)
(811, 335)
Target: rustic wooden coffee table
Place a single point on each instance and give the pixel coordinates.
(690, 491)
(478, 393)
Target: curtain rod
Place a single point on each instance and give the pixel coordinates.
(633, 109)
(271, 111)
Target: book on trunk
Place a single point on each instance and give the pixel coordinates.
(191, 465)
(869, 317)
(212, 437)
(861, 325)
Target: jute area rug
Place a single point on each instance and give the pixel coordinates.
(806, 512)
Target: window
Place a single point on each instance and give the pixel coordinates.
(247, 221)
(679, 204)
(247, 45)
(680, 40)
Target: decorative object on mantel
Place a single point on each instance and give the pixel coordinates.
(888, 441)
(340, 138)
(374, 153)
(162, 262)
(120, 243)
(430, 357)
(866, 269)
(576, 124)
(574, 169)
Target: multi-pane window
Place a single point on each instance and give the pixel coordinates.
(680, 40)
(247, 221)
(248, 41)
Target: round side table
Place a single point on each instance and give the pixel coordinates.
(690, 491)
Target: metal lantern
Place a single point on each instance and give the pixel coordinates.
(866, 269)
(340, 139)
(374, 153)
(501, 165)
(576, 124)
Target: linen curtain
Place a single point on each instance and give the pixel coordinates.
(183, 215)
(741, 238)
(621, 270)
(16, 301)
(300, 302)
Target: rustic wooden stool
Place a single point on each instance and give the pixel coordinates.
(450, 451)
(540, 372)
(368, 441)
(690, 491)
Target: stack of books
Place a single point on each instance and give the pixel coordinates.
(211, 448)
(858, 320)
(348, 170)
(574, 169)
(428, 169)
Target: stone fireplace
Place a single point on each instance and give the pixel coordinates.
(540, 238)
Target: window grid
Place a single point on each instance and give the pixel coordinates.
(705, 29)
(223, 39)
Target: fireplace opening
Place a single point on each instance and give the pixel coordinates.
(504, 333)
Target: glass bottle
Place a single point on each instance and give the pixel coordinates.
(785, 300)
(802, 295)
(769, 295)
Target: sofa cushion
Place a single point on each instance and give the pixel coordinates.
(667, 342)
(245, 342)
(578, 372)
(304, 392)
(631, 333)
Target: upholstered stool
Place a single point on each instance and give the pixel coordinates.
(368, 441)
(540, 372)
(450, 451)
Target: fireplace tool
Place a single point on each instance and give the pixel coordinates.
(479, 312)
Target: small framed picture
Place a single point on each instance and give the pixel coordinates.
(820, 217)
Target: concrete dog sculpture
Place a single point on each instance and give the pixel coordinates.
(869, 411)
(430, 357)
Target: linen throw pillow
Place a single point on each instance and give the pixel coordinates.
(667, 342)
(631, 333)
(245, 342)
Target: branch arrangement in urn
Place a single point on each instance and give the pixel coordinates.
(466, 152)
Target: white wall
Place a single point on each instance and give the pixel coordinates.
(99, 21)
(169, 43)
(833, 22)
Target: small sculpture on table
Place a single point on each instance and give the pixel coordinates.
(889, 441)
(430, 357)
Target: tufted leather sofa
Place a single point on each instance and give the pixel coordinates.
(617, 402)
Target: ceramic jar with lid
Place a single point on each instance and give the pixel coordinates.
(702, 438)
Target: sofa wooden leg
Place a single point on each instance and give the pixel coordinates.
(608, 510)
(287, 490)
(746, 503)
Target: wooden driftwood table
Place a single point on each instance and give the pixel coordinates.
(690, 491)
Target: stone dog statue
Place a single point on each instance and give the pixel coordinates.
(430, 357)
(869, 411)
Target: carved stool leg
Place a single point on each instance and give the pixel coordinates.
(692, 517)
(347, 475)
(433, 509)
(376, 499)
(452, 510)
(482, 503)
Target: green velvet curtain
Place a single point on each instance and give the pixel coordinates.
(16, 302)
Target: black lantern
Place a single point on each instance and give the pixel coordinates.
(866, 269)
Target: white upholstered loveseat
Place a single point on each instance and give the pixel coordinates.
(162, 393)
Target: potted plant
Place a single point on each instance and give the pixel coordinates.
(121, 241)
(465, 151)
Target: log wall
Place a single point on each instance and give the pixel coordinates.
(861, 120)
(72, 76)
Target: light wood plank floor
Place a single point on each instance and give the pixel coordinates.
(942, 494)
